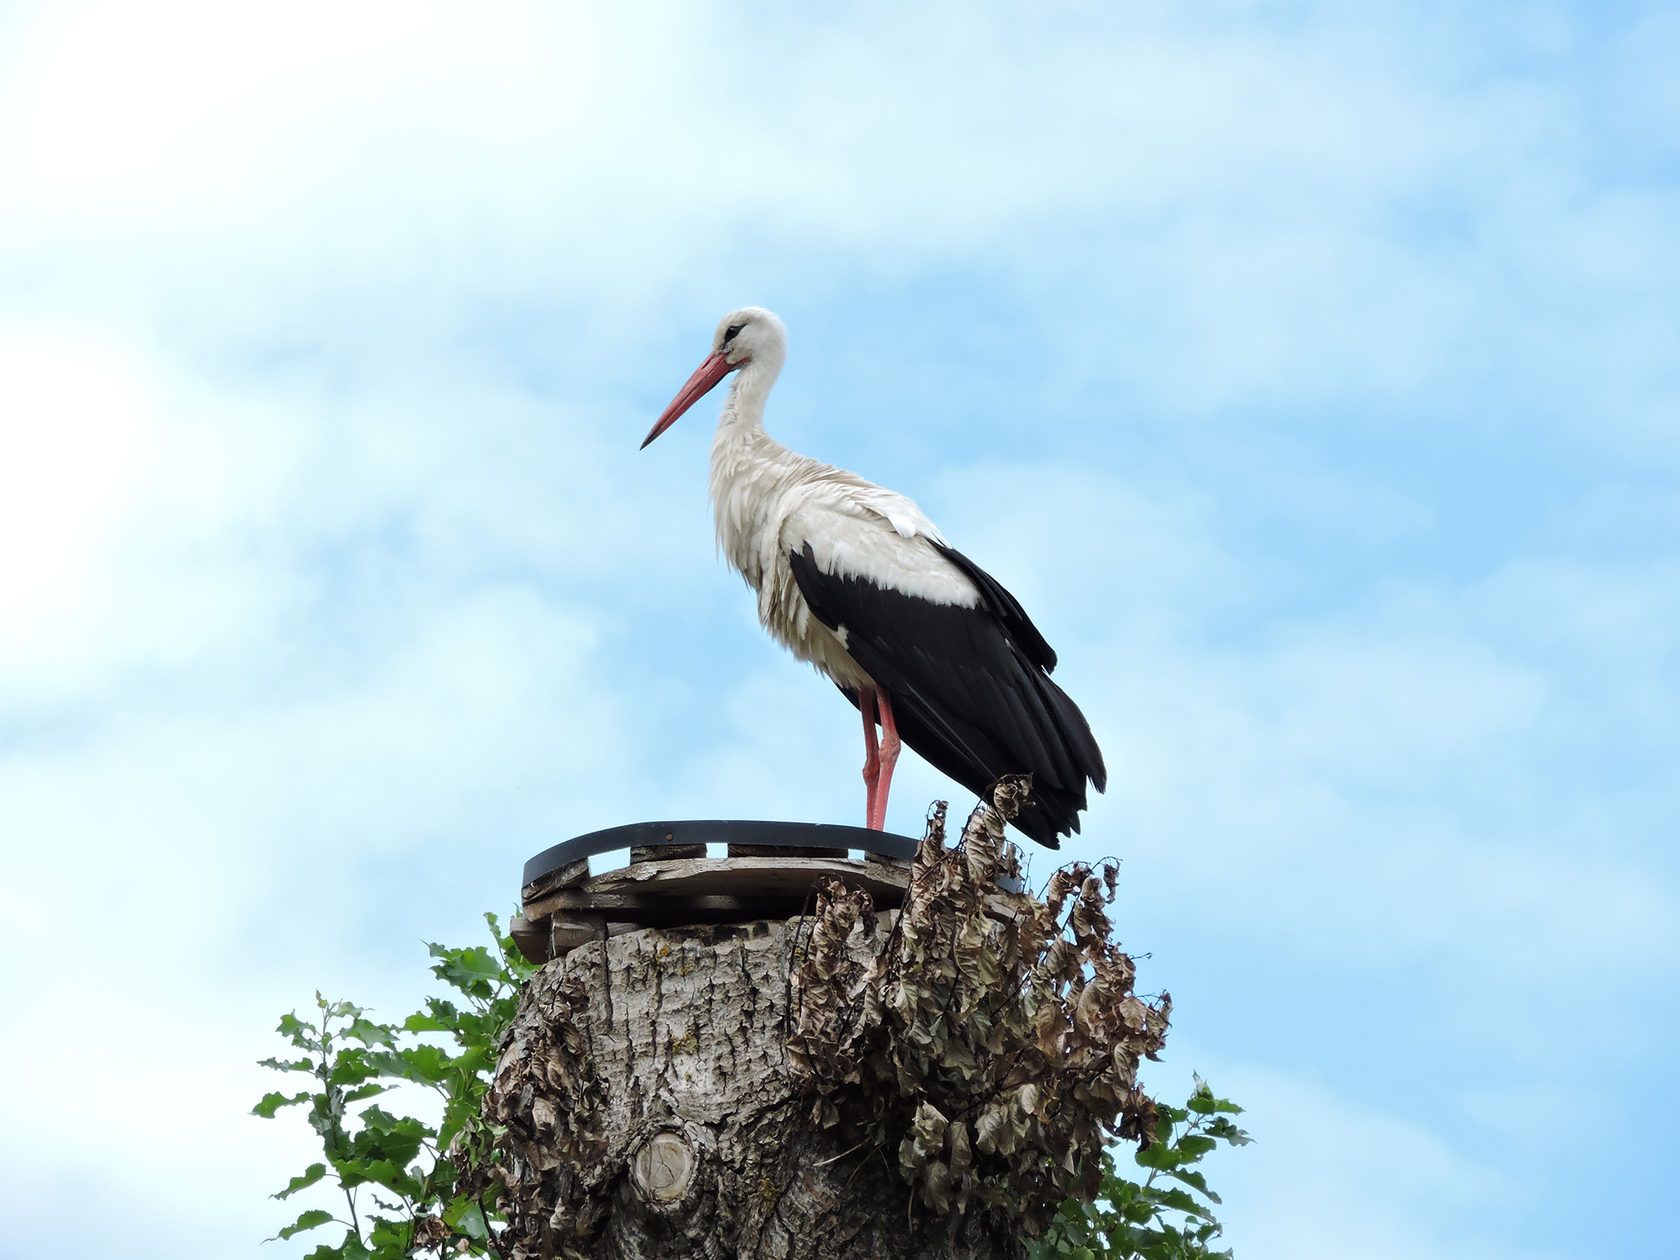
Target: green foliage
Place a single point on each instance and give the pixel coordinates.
(398, 1175)
(1166, 1216)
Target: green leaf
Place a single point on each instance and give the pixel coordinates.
(300, 1034)
(272, 1103)
(1158, 1156)
(288, 1065)
(376, 1120)
(1195, 1180)
(351, 1067)
(1139, 1211)
(439, 1016)
(350, 1249)
(1180, 1201)
(1225, 1131)
(326, 1118)
(308, 1177)
(369, 1033)
(312, 1219)
(390, 1238)
(380, 1172)
(465, 1216)
(426, 1064)
(1192, 1146)
(473, 970)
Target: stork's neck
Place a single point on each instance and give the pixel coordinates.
(743, 411)
(740, 439)
(747, 465)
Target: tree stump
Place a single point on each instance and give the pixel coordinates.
(930, 1081)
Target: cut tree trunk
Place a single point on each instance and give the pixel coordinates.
(929, 1082)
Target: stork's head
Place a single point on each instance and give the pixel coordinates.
(751, 336)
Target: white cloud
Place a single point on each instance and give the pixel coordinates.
(130, 504)
(1249, 202)
(69, 451)
(1400, 782)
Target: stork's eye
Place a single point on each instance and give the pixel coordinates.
(729, 333)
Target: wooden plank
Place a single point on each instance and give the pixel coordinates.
(892, 863)
(742, 876)
(568, 931)
(530, 938)
(549, 938)
(783, 881)
(642, 908)
(783, 850)
(568, 876)
(640, 853)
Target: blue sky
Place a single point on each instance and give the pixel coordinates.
(1308, 370)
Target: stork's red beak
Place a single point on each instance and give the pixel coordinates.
(708, 374)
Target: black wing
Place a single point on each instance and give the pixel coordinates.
(970, 687)
(1007, 608)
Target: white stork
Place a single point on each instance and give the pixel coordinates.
(859, 582)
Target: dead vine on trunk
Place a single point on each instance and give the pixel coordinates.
(989, 1040)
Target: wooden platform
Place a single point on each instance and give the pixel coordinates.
(772, 872)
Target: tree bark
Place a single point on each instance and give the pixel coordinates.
(930, 1082)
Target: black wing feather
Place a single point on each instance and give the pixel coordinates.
(1007, 608)
(970, 687)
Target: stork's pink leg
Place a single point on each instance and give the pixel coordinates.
(889, 758)
(871, 755)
